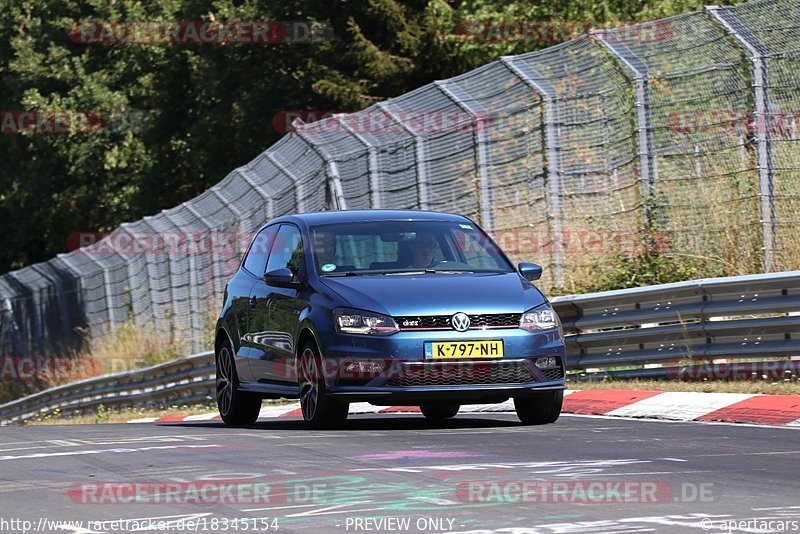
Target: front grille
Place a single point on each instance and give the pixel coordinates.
(441, 322)
(461, 373)
(553, 374)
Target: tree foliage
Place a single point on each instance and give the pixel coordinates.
(209, 109)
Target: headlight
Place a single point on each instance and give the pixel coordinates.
(361, 322)
(539, 319)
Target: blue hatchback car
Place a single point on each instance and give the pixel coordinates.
(387, 307)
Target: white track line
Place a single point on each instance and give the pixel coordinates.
(679, 406)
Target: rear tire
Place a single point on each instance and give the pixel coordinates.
(439, 410)
(235, 407)
(540, 409)
(320, 410)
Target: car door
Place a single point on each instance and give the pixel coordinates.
(239, 294)
(253, 270)
(276, 343)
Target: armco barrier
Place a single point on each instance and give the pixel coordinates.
(676, 327)
(187, 379)
(752, 316)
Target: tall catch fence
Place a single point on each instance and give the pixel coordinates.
(683, 131)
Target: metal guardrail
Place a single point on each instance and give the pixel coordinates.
(739, 317)
(187, 379)
(661, 331)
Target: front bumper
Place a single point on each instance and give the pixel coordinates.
(410, 344)
(461, 395)
(409, 377)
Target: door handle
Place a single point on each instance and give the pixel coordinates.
(253, 303)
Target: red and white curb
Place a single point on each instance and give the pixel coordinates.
(779, 410)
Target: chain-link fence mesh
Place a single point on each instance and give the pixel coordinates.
(771, 29)
(685, 128)
(704, 167)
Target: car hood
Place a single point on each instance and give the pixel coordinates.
(437, 294)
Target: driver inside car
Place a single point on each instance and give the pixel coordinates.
(422, 250)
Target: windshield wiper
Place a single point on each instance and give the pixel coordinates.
(431, 271)
(421, 271)
(391, 273)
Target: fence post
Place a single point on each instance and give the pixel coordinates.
(480, 125)
(21, 348)
(196, 305)
(79, 277)
(238, 225)
(160, 234)
(554, 169)
(766, 175)
(215, 191)
(298, 190)
(61, 302)
(134, 316)
(250, 177)
(419, 143)
(644, 119)
(374, 177)
(331, 170)
(112, 324)
(212, 242)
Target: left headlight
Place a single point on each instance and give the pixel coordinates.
(363, 322)
(540, 318)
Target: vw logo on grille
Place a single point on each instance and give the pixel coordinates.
(460, 321)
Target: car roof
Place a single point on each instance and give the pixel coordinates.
(345, 216)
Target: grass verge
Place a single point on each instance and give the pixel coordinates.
(103, 415)
(740, 386)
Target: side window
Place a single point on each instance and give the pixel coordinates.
(256, 259)
(287, 252)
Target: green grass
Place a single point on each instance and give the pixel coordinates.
(103, 415)
(109, 415)
(790, 387)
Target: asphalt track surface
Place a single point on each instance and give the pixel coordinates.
(402, 473)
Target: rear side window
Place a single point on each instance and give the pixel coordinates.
(256, 259)
(287, 252)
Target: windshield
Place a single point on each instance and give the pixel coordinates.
(397, 247)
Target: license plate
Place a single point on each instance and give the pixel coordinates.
(441, 350)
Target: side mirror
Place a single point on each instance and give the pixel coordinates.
(530, 271)
(281, 278)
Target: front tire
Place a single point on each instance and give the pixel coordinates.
(319, 409)
(540, 409)
(439, 410)
(235, 407)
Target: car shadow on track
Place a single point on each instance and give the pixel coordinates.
(370, 423)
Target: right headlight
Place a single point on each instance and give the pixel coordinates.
(539, 319)
(362, 322)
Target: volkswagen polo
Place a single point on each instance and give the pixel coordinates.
(386, 307)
